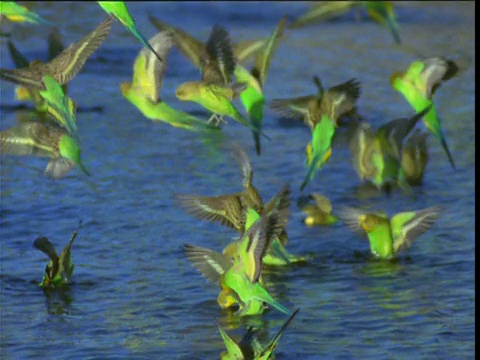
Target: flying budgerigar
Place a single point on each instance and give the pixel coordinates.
(252, 97)
(418, 85)
(119, 11)
(380, 11)
(63, 67)
(18, 13)
(215, 91)
(144, 90)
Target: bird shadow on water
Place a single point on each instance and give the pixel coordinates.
(386, 289)
(58, 301)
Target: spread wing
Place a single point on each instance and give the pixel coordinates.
(29, 138)
(437, 70)
(322, 203)
(393, 133)
(211, 264)
(65, 66)
(55, 45)
(45, 246)
(148, 69)
(322, 12)
(259, 237)
(407, 226)
(341, 98)
(18, 59)
(188, 45)
(351, 217)
(64, 262)
(250, 197)
(218, 63)
(293, 108)
(262, 61)
(225, 209)
(360, 142)
(244, 49)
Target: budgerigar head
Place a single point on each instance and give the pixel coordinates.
(187, 91)
(227, 298)
(397, 75)
(125, 88)
(369, 222)
(22, 93)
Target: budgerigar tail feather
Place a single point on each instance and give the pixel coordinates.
(144, 41)
(394, 29)
(445, 147)
(279, 306)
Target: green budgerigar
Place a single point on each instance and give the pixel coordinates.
(55, 47)
(48, 140)
(33, 138)
(388, 237)
(252, 97)
(60, 268)
(18, 13)
(215, 90)
(380, 11)
(230, 210)
(418, 85)
(241, 273)
(192, 48)
(320, 212)
(319, 149)
(63, 67)
(335, 102)
(377, 155)
(144, 90)
(249, 346)
(119, 11)
(59, 105)
(321, 113)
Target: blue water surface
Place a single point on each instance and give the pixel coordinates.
(134, 295)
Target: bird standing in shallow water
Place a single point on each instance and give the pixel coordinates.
(319, 213)
(230, 210)
(377, 155)
(241, 273)
(249, 347)
(60, 268)
(388, 237)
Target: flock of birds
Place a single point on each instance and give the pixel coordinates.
(392, 154)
